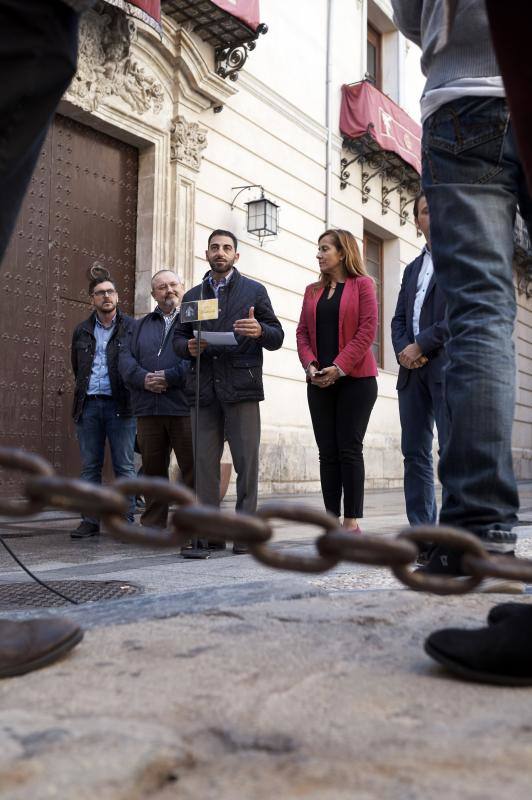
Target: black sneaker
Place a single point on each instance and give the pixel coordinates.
(85, 530)
(447, 561)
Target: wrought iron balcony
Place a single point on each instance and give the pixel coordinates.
(231, 33)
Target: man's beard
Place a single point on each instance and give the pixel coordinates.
(171, 302)
(223, 268)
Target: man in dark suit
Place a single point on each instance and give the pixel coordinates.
(419, 332)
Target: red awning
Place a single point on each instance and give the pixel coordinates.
(365, 110)
(149, 11)
(245, 10)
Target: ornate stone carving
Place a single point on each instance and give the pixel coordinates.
(106, 68)
(187, 141)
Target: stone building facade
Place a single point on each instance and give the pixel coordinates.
(199, 134)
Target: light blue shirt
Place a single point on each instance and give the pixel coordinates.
(218, 285)
(99, 381)
(425, 274)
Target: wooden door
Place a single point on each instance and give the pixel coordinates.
(80, 208)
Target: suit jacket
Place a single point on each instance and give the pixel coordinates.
(357, 326)
(82, 354)
(433, 330)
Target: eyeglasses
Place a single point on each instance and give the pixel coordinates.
(104, 292)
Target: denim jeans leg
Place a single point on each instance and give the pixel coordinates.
(417, 435)
(471, 175)
(91, 437)
(121, 434)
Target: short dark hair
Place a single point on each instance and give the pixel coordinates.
(96, 282)
(220, 232)
(418, 197)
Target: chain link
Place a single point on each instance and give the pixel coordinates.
(44, 489)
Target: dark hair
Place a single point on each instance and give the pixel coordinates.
(220, 232)
(98, 274)
(418, 197)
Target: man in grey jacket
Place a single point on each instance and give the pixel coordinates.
(474, 180)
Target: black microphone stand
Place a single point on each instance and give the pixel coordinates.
(200, 547)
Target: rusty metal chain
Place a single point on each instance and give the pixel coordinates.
(189, 519)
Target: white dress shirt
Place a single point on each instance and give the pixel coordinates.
(425, 274)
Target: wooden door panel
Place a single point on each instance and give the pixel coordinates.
(81, 208)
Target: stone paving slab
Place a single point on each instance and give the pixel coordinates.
(322, 698)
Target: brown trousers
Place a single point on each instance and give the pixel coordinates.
(157, 436)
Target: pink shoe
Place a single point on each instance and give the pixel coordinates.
(357, 530)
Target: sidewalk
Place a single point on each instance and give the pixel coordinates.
(225, 680)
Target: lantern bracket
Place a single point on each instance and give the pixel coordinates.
(244, 189)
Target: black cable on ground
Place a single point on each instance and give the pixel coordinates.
(35, 578)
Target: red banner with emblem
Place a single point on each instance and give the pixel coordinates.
(149, 11)
(247, 11)
(367, 110)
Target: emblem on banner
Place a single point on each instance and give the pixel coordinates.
(199, 310)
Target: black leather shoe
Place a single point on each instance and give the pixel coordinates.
(499, 654)
(507, 610)
(26, 645)
(216, 544)
(240, 550)
(85, 530)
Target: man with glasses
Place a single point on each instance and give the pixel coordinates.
(155, 377)
(102, 405)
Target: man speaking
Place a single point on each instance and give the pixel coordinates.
(230, 376)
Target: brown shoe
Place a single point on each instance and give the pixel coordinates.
(31, 644)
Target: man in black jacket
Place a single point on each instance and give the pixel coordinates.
(419, 333)
(155, 378)
(230, 377)
(102, 408)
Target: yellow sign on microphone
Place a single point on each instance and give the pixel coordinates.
(199, 310)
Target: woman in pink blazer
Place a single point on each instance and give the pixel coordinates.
(336, 329)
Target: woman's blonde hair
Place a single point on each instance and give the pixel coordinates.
(347, 246)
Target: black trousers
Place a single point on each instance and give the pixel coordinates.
(340, 415)
(38, 51)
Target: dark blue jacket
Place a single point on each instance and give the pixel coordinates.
(145, 351)
(231, 374)
(433, 329)
(82, 358)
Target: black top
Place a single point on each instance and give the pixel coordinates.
(327, 316)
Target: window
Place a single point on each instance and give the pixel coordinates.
(374, 57)
(373, 259)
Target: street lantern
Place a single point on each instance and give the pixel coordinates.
(262, 214)
(263, 217)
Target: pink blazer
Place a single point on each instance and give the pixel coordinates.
(357, 326)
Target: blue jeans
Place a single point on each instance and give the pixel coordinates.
(98, 422)
(421, 403)
(473, 181)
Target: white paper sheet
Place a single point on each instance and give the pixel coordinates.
(219, 338)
